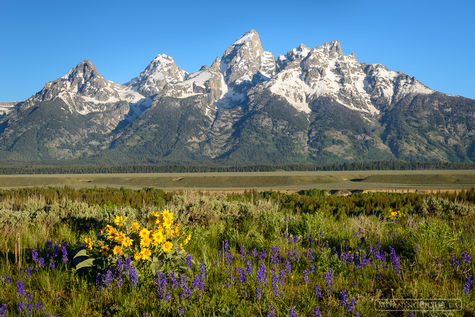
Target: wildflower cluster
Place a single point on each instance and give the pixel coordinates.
(396, 214)
(158, 240)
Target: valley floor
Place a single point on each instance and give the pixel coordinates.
(425, 180)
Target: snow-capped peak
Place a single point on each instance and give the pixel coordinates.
(247, 37)
(84, 90)
(160, 72)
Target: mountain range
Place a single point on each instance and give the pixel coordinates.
(312, 105)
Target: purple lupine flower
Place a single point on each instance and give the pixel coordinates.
(3, 310)
(241, 274)
(185, 291)
(20, 288)
(258, 293)
(466, 257)
(395, 260)
(7, 279)
(28, 271)
(229, 256)
(310, 255)
(318, 291)
(292, 312)
(351, 305)
(197, 283)
(51, 265)
(173, 280)
(468, 282)
(41, 262)
(312, 268)
(270, 312)
(275, 255)
(180, 311)
(161, 286)
(64, 252)
(409, 314)
(343, 299)
(329, 279)
(132, 275)
(119, 270)
(55, 251)
(226, 246)
(242, 253)
(262, 255)
(108, 278)
(22, 308)
(261, 274)
(98, 281)
(416, 247)
(34, 255)
(288, 267)
(317, 312)
(305, 276)
(254, 253)
(249, 267)
(188, 261)
(275, 282)
(281, 277)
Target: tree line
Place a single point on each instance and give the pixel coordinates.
(177, 168)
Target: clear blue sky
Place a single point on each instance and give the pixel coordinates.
(41, 40)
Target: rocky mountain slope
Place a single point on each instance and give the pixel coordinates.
(310, 105)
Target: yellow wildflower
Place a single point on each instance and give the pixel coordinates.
(167, 218)
(157, 237)
(106, 229)
(188, 238)
(88, 243)
(170, 233)
(127, 242)
(135, 226)
(120, 237)
(119, 221)
(181, 246)
(137, 256)
(104, 249)
(117, 250)
(144, 233)
(167, 223)
(145, 253)
(113, 234)
(145, 241)
(167, 246)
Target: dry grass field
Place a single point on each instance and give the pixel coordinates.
(341, 180)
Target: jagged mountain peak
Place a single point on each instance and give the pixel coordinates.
(83, 71)
(250, 36)
(240, 61)
(161, 71)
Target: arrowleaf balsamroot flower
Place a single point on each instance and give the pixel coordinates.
(145, 253)
(88, 243)
(135, 227)
(117, 250)
(167, 246)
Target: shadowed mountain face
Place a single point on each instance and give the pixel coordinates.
(248, 107)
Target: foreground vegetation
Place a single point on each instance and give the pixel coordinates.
(251, 254)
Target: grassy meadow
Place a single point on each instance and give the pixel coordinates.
(255, 253)
(283, 180)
